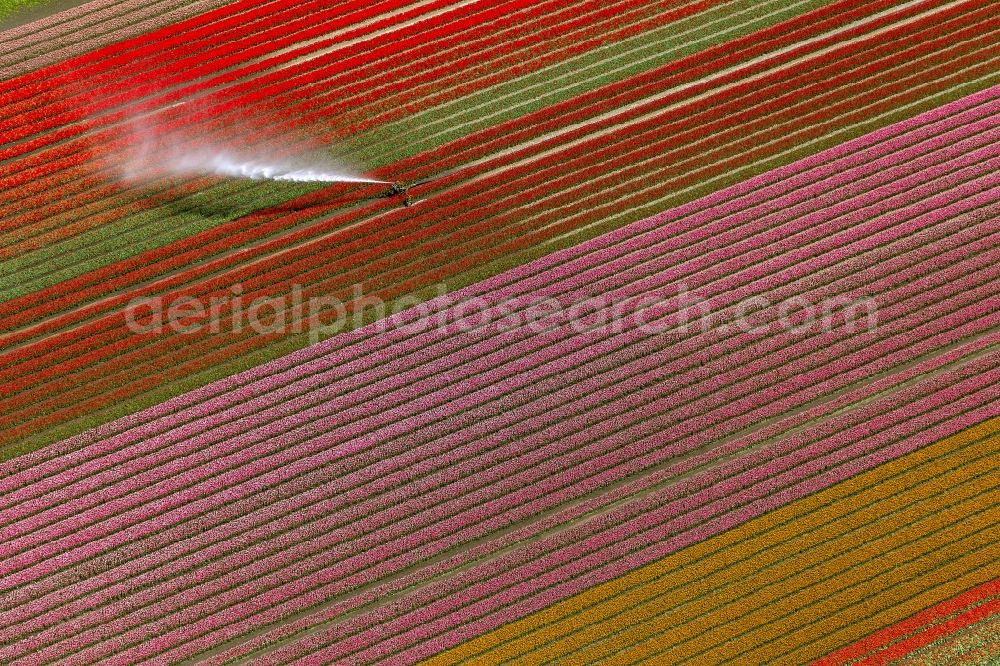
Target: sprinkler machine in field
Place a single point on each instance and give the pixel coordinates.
(401, 189)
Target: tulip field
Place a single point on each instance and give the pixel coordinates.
(636, 331)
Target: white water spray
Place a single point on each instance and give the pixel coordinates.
(226, 164)
(157, 152)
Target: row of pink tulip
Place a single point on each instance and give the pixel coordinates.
(483, 599)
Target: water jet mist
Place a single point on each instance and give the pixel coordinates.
(159, 150)
(226, 164)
